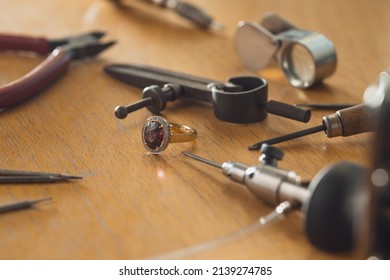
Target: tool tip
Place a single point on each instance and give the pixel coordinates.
(254, 147)
(69, 177)
(98, 34)
(109, 44)
(215, 25)
(97, 48)
(72, 177)
(108, 68)
(39, 200)
(210, 162)
(113, 69)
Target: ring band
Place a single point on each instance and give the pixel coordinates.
(157, 133)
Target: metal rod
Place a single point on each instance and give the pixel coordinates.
(287, 137)
(326, 106)
(204, 160)
(121, 112)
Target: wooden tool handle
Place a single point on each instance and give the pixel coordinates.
(349, 121)
(356, 119)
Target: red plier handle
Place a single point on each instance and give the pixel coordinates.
(24, 43)
(37, 79)
(60, 53)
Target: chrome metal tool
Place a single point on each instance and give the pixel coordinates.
(306, 57)
(325, 203)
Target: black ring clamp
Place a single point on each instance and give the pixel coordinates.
(241, 100)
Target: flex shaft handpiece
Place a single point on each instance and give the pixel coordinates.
(325, 204)
(267, 182)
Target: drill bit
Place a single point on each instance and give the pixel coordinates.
(267, 182)
(204, 160)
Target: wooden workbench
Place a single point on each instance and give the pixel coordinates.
(134, 205)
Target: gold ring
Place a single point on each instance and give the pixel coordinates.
(157, 133)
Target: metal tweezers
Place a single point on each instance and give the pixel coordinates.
(21, 204)
(17, 176)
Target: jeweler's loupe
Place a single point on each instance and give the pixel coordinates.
(306, 57)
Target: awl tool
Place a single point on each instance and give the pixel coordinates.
(346, 122)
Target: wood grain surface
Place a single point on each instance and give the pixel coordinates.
(134, 205)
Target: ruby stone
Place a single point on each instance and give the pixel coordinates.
(154, 135)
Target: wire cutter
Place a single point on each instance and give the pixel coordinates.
(60, 52)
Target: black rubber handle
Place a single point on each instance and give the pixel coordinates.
(288, 111)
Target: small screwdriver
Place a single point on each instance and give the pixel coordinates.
(346, 122)
(267, 182)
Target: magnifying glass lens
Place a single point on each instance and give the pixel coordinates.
(299, 66)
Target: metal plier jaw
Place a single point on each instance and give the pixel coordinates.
(60, 53)
(83, 46)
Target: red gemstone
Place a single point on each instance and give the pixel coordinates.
(153, 135)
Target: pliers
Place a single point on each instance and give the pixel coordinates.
(60, 52)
